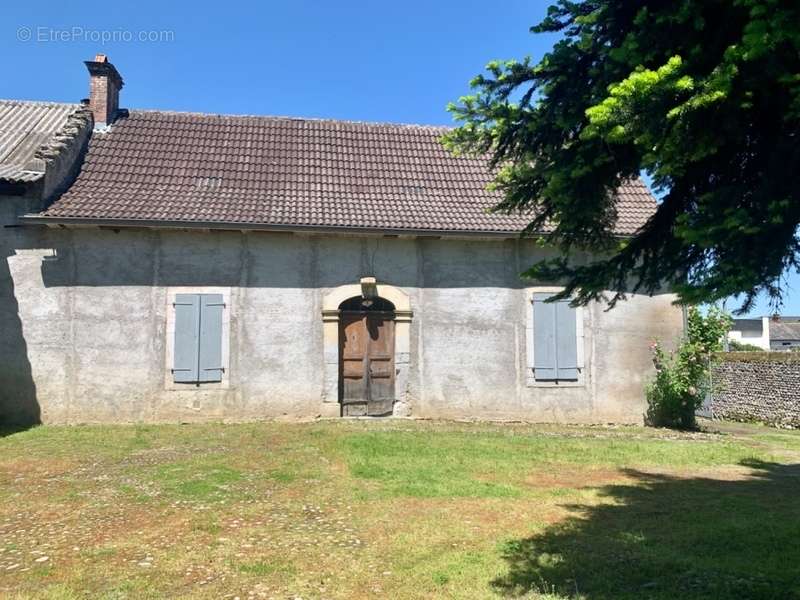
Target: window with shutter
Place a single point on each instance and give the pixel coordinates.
(210, 359)
(198, 338)
(555, 340)
(187, 338)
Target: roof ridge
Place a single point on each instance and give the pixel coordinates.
(66, 135)
(35, 133)
(38, 102)
(288, 118)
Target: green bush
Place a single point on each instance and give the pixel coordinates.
(682, 375)
(735, 346)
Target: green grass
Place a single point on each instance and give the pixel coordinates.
(197, 480)
(458, 464)
(263, 569)
(405, 510)
(788, 440)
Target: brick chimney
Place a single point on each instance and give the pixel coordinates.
(105, 82)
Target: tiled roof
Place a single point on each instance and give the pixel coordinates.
(26, 128)
(160, 167)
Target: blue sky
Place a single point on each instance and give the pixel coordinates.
(362, 60)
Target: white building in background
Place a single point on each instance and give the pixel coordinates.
(768, 333)
(751, 331)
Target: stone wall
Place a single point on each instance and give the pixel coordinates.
(757, 386)
(90, 306)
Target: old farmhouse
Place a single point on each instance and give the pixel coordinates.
(162, 266)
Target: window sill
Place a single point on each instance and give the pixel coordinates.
(172, 386)
(531, 382)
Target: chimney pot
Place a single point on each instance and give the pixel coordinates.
(105, 82)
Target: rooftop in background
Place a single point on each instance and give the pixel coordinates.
(25, 129)
(772, 319)
(785, 328)
(155, 168)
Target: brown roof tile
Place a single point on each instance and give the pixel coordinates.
(184, 167)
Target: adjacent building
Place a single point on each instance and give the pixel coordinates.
(777, 333)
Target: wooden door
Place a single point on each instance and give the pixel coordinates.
(366, 351)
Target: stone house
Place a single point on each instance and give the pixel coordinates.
(166, 266)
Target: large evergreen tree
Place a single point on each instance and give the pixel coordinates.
(703, 95)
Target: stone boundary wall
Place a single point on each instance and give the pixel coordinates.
(757, 386)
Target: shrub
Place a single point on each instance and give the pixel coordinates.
(735, 346)
(682, 375)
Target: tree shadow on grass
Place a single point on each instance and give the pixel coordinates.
(666, 537)
(10, 429)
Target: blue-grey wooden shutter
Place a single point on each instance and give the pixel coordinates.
(544, 338)
(210, 359)
(555, 340)
(566, 342)
(187, 340)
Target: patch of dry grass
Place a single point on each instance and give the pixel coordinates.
(342, 509)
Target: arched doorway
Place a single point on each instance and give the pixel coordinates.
(332, 304)
(367, 356)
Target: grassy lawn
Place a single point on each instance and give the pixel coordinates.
(398, 510)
